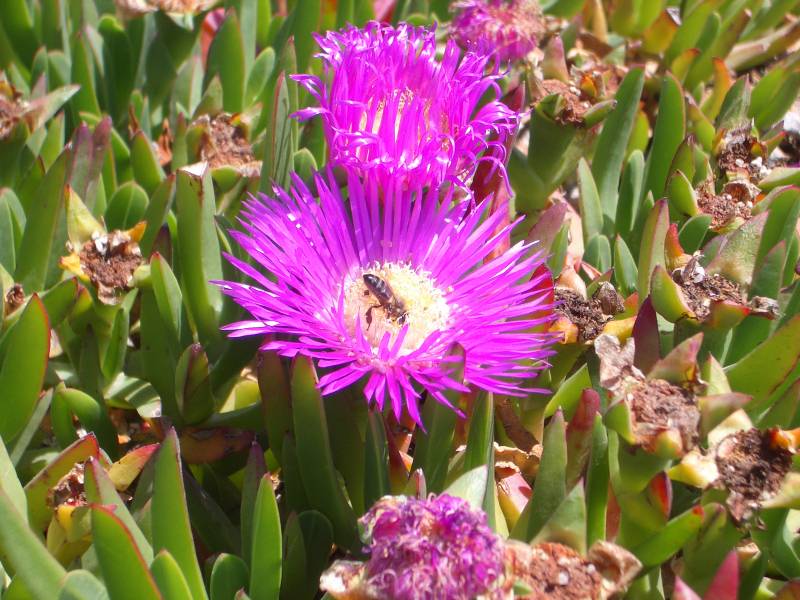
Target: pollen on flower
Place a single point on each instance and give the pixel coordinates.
(399, 101)
(412, 300)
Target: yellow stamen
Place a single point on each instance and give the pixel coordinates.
(424, 307)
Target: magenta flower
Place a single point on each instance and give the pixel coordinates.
(389, 105)
(435, 548)
(511, 27)
(382, 288)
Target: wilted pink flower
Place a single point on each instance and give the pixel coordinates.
(511, 27)
(434, 548)
(389, 105)
(385, 286)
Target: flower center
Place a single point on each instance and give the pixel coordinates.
(385, 298)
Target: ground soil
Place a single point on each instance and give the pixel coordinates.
(752, 468)
(736, 200)
(15, 296)
(737, 155)
(575, 105)
(589, 316)
(658, 405)
(109, 262)
(70, 489)
(10, 113)
(225, 144)
(711, 288)
(553, 572)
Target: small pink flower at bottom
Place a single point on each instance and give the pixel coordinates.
(423, 549)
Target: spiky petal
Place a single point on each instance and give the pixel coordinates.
(511, 27)
(432, 252)
(390, 105)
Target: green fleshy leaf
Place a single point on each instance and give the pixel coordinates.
(667, 136)
(434, 445)
(90, 413)
(25, 349)
(279, 145)
(267, 551)
(45, 230)
(671, 538)
(308, 540)
(100, 490)
(598, 253)
(651, 253)
(550, 488)
(317, 470)
(126, 207)
(471, 486)
(597, 477)
(170, 517)
(124, 570)
(667, 297)
(764, 371)
(735, 107)
(209, 521)
(255, 469)
(693, 232)
(568, 393)
(567, 525)
(168, 577)
(306, 21)
(192, 386)
(625, 271)
(12, 225)
(783, 206)
(706, 552)
(146, 168)
(259, 75)
(273, 381)
(607, 165)
(226, 58)
(376, 459)
(82, 585)
(156, 213)
(10, 484)
(591, 209)
(737, 257)
(23, 552)
(198, 247)
(228, 576)
(630, 193)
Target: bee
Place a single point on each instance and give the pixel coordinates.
(394, 307)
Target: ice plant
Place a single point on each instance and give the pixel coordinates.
(751, 467)
(718, 295)
(658, 412)
(511, 27)
(382, 291)
(434, 548)
(390, 105)
(105, 259)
